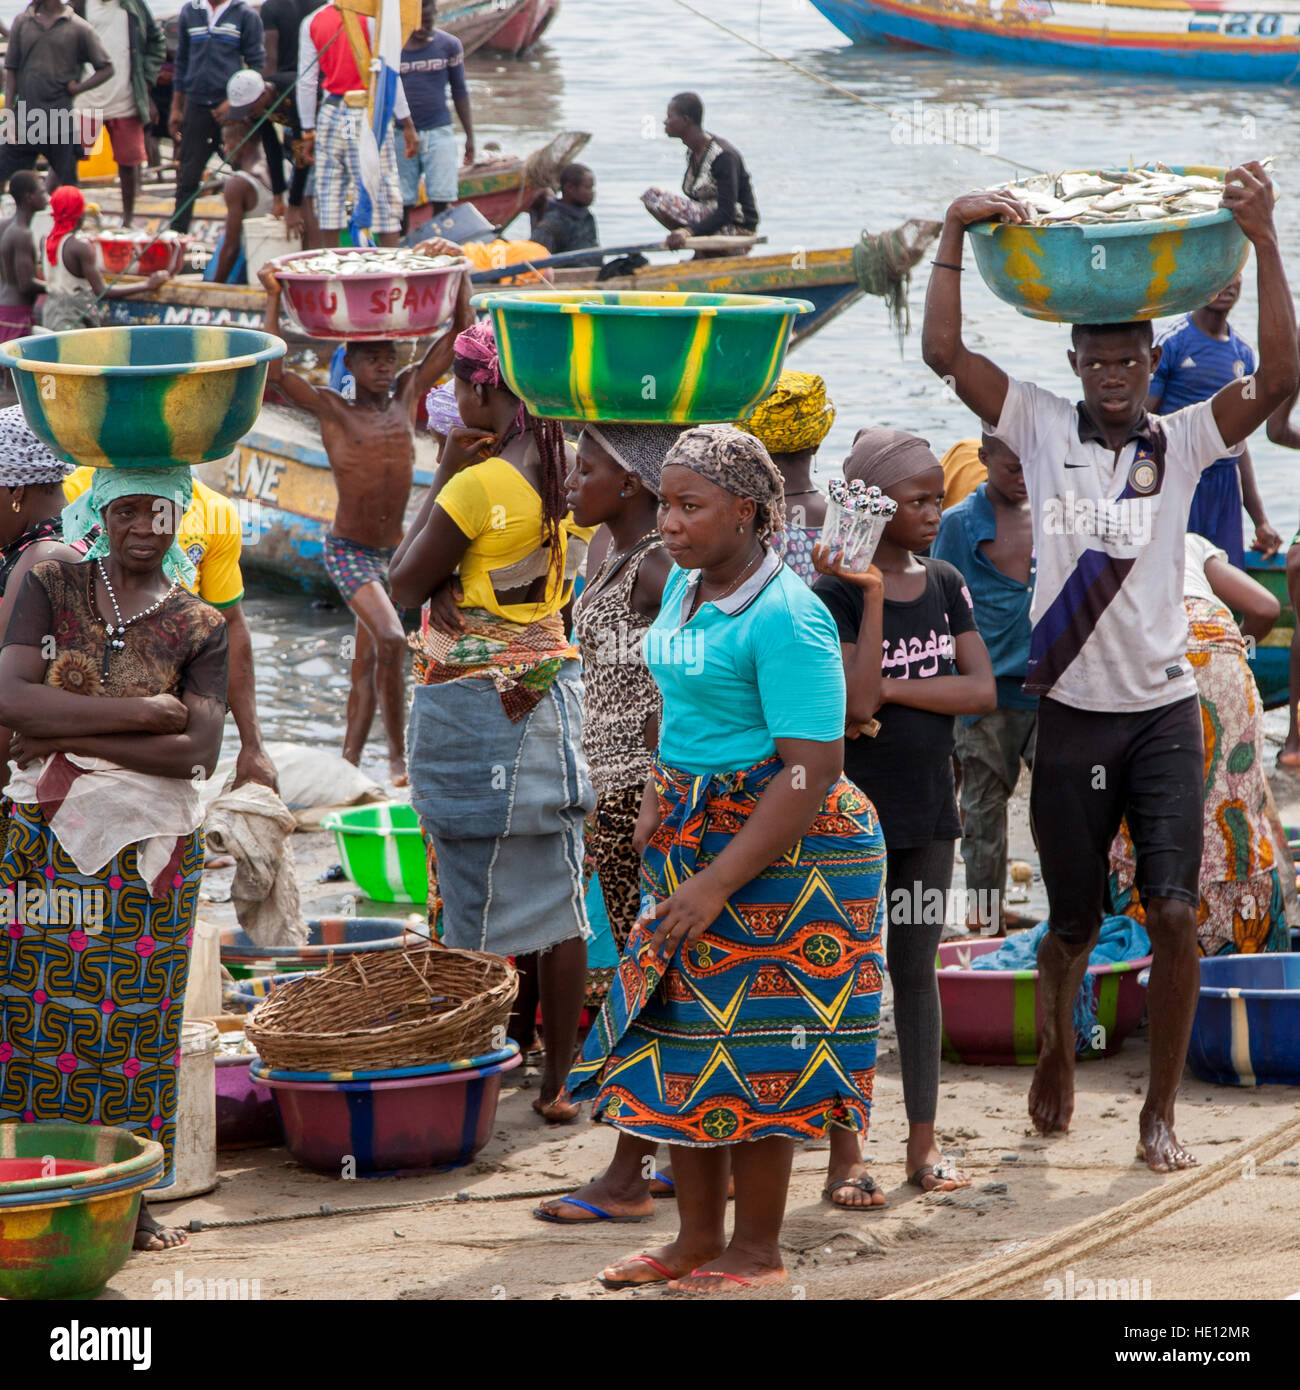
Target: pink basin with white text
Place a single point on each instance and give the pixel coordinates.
(369, 304)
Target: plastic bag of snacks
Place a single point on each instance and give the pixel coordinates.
(856, 517)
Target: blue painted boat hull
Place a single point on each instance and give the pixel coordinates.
(1206, 45)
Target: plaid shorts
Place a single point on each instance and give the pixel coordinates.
(351, 565)
(338, 157)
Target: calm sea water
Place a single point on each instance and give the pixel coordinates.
(825, 167)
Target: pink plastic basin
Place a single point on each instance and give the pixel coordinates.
(246, 1113)
(24, 1169)
(996, 1016)
(369, 305)
(441, 1116)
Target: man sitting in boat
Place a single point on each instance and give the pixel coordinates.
(569, 224)
(1119, 725)
(717, 197)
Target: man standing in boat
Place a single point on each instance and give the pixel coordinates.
(717, 197)
(1119, 720)
(20, 281)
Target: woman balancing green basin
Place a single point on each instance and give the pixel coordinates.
(637, 355)
(148, 397)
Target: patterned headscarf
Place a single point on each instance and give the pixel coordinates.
(739, 464)
(24, 460)
(796, 416)
(81, 517)
(885, 457)
(67, 203)
(638, 449)
(476, 359)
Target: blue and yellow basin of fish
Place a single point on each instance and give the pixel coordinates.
(1112, 272)
(147, 397)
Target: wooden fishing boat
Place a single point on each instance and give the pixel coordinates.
(476, 22)
(519, 33)
(1271, 662)
(824, 277)
(1205, 40)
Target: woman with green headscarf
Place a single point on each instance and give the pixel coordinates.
(113, 679)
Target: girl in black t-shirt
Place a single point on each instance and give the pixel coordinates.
(914, 660)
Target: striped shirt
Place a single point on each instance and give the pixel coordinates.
(212, 44)
(1109, 631)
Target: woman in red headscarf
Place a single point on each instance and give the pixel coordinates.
(74, 285)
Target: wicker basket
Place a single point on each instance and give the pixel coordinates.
(399, 1009)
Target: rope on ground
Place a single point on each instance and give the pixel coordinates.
(893, 113)
(990, 1277)
(326, 1209)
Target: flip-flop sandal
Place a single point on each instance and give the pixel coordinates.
(559, 1111)
(943, 1171)
(639, 1283)
(668, 1183)
(597, 1214)
(866, 1183)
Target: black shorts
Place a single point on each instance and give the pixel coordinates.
(1093, 770)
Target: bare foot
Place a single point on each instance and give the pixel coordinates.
(618, 1204)
(560, 1111)
(1051, 1096)
(1158, 1146)
(653, 1267)
(397, 772)
(1290, 755)
(152, 1235)
(731, 1270)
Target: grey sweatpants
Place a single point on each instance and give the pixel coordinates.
(990, 752)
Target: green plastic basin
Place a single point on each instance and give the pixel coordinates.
(382, 851)
(639, 355)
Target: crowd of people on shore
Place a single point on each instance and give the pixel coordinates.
(635, 658)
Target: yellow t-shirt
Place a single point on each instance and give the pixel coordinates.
(494, 505)
(209, 535)
(962, 471)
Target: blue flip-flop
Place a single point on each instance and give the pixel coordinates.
(672, 1186)
(596, 1212)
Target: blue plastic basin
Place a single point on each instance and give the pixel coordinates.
(1247, 1026)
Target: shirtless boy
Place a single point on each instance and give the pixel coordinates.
(370, 444)
(19, 283)
(1118, 716)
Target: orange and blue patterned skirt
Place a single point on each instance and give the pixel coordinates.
(767, 1025)
(90, 1011)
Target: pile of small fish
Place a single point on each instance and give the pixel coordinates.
(1149, 194)
(383, 260)
(139, 234)
(234, 1044)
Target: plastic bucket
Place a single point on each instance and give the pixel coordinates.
(1247, 1026)
(382, 850)
(194, 1166)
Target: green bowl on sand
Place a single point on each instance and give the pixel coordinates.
(147, 397)
(638, 355)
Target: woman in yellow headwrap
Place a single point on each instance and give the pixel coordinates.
(792, 422)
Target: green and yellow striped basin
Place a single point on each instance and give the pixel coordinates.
(1112, 272)
(148, 397)
(633, 355)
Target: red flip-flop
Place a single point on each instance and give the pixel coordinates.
(639, 1283)
(719, 1274)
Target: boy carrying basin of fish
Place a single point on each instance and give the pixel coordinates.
(370, 444)
(1119, 723)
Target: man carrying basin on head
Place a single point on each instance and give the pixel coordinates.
(1119, 725)
(370, 444)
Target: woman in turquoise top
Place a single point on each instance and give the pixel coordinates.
(745, 1011)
